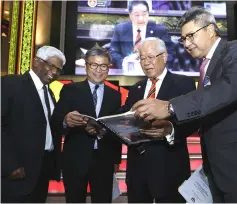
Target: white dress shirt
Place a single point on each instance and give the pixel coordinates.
(142, 33)
(158, 84)
(39, 87)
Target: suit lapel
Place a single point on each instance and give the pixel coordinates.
(216, 57)
(105, 102)
(165, 86)
(52, 96)
(141, 90)
(150, 30)
(32, 93)
(128, 35)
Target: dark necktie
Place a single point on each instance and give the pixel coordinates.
(152, 91)
(94, 95)
(202, 71)
(138, 40)
(46, 99)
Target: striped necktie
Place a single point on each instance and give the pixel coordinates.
(94, 95)
(152, 91)
(202, 72)
(46, 99)
(138, 40)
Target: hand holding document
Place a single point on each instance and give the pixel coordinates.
(196, 188)
(125, 126)
(92, 127)
(159, 128)
(73, 119)
(151, 109)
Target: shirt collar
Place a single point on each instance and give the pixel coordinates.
(212, 50)
(142, 29)
(161, 77)
(92, 85)
(38, 84)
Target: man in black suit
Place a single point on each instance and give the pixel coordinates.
(88, 157)
(29, 148)
(214, 103)
(155, 170)
(123, 43)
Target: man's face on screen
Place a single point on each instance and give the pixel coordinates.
(95, 68)
(139, 15)
(152, 62)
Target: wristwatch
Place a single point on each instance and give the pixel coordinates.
(170, 109)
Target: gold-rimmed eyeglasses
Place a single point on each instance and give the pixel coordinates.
(94, 66)
(149, 58)
(190, 36)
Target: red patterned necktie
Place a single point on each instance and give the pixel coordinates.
(152, 91)
(202, 72)
(138, 40)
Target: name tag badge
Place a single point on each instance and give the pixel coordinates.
(206, 81)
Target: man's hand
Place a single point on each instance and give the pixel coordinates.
(151, 109)
(94, 128)
(73, 119)
(91, 130)
(18, 174)
(159, 129)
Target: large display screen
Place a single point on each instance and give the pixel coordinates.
(96, 21)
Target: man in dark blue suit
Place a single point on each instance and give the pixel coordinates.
(125, 34)
(155, 170)
(87, 157)
(30, 149)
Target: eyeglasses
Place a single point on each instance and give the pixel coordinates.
(149, 58)
(190, 36)
(94, 66)
(50, 65)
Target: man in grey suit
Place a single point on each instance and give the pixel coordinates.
(213, 104)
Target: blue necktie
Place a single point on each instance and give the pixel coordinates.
(94, 95)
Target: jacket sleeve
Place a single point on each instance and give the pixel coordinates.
(220, 94)
(184, 130)
(9, 160)
(60, 110)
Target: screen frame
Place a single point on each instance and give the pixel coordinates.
(70, 37)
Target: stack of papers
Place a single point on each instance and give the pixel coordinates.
(196, 188)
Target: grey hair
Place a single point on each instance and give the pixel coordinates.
(160, 44)
(48, 51)
(199, 15)
(97, 51)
